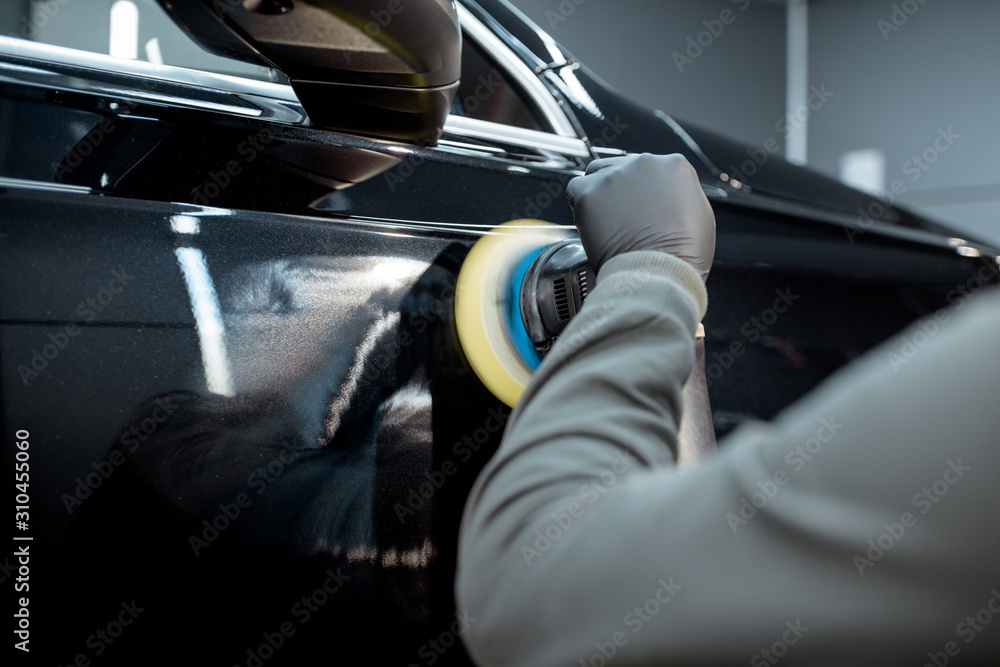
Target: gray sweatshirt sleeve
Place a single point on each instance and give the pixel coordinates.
(859, 527)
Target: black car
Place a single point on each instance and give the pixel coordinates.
(238, 425)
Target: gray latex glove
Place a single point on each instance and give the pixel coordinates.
(643, 202)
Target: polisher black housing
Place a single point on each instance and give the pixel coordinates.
(554, 289)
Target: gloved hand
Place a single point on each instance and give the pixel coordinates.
(643, 202)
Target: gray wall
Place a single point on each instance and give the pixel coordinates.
(737, 84)
(11, 17)
(939, 70)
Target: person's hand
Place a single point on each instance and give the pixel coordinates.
(643, 202)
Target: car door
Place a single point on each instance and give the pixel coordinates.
(227, 337)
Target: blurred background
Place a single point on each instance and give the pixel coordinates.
(857, 89)
(896, 74)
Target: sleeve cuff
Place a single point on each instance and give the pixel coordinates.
(662, 264)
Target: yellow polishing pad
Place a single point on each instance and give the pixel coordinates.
(485, 291)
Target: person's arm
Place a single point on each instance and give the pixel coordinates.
(810, 540)
(542, 564)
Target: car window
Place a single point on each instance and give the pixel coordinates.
(138, 29)
(484, 93)
(141, 29)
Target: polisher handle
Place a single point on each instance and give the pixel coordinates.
(696, 437)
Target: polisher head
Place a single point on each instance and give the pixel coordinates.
(518, 287)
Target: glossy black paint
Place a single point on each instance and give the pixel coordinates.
(350, 395)
(354, 428)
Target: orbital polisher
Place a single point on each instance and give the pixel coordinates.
(519, 286)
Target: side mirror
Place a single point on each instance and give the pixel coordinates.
(382, 68)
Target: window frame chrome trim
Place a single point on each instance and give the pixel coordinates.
(50, 53)
(70, 70)
(58, 67)
(518, 71)
(9, 182)
(473, 128)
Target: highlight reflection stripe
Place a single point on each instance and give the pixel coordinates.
(208, 320)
